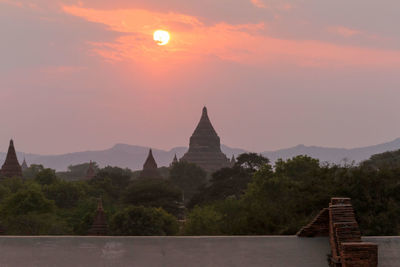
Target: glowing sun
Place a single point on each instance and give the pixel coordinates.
(161, 37)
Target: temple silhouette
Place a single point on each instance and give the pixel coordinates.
(11, 166)
(99, 226)
(205, 147)
(150, 170)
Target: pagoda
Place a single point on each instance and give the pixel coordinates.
(24, 165)
(174, 161)
(11, 167)
(205, 147)
(99, 226)
(150, 170)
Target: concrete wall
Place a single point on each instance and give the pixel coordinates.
(162, 251)
(388, 250)
(178, 251)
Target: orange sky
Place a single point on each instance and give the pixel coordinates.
(288, 72)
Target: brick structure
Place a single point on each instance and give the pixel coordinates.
(24, 165)
(205, 147)
(339, 223)
(11, 167)
(150, 169)
(317, 227)
(99, 227)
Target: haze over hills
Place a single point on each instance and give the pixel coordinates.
(133, 157)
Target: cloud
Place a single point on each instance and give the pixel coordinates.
(192, 40)
(258, 3)
(344, 31)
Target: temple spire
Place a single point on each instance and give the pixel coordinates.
(150, 169)
(99, 226)
(205, 146)
(174, 161)
(11, 167)
(24, 165)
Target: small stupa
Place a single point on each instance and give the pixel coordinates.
(205, 147)
(24, 165)
(150, 170)
(11, 167)
(99, 226)
(174, 161)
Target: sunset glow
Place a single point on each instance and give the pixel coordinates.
(107, 63)
(161, 37)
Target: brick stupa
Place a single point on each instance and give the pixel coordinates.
(11, 167)
(150, 169)
(99, 226)
(205, 147)
(24, 165)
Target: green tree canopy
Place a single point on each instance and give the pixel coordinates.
(188, 177)
(143, 221)
(46, 177)
(156, 193)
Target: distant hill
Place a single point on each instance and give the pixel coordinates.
(133, 157)
(334, 155)
(121, 155)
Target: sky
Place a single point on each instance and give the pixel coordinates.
(85, 75)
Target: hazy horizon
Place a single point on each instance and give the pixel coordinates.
(86, 75)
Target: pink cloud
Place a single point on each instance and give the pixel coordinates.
(12, 3)
(344, 31)
(258, 3)
(193, 40)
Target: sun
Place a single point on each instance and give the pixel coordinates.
(161, 37)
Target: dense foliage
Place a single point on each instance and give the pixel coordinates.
(282, 199)
(250, 198)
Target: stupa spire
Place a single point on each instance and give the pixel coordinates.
(205, 146)
(99, 226)
(24, 165)
(11, 167)
(174, 161)
(150, 169)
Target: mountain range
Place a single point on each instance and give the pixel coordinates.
(133, 157)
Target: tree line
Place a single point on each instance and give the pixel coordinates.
(253, 197)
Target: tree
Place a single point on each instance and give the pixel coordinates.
(156, 193)
(46, 177)
(251, 161)
(65, 194)
(143, 221)
(188, 177)
(32, 171)
(77, 172)
(226, 182)
(29, 212)
(203, 221)
(112, 181)
(231, 182)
